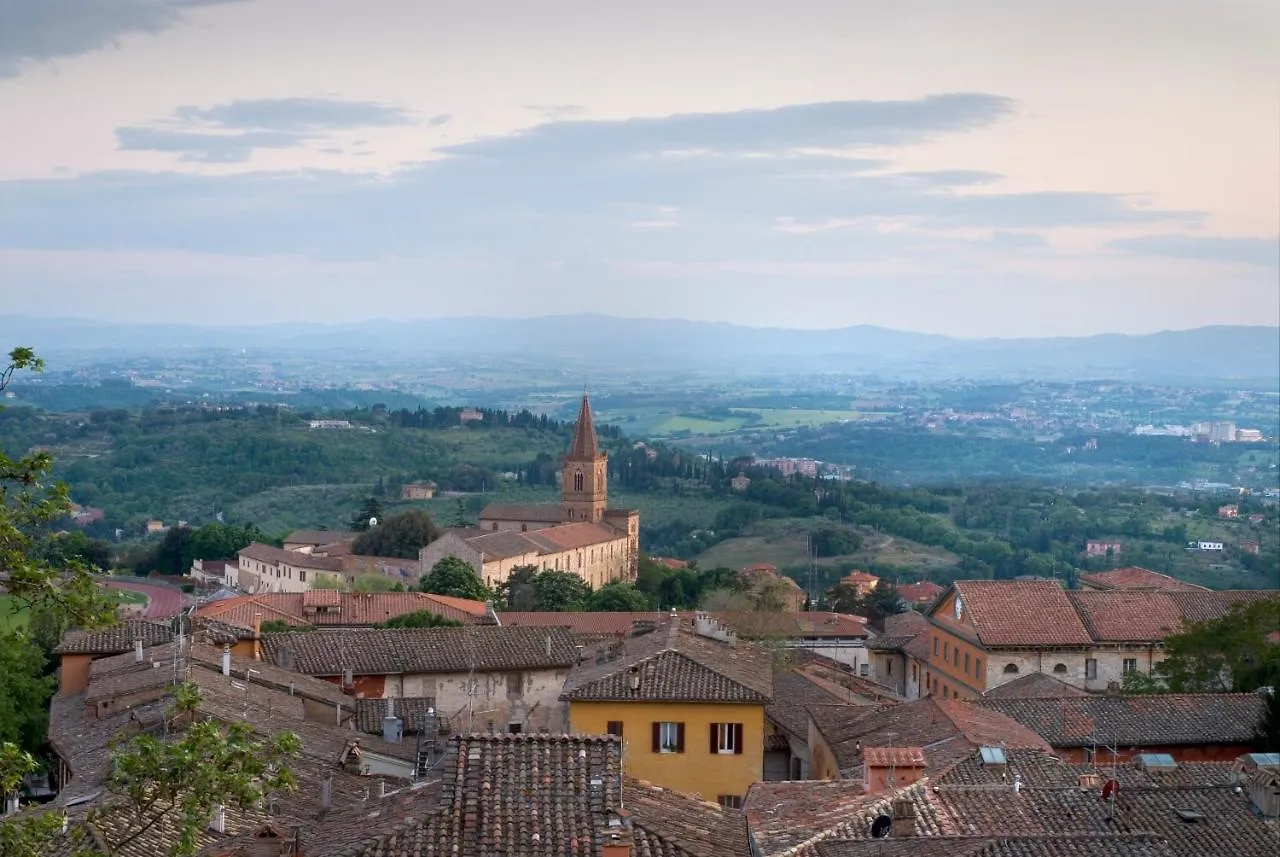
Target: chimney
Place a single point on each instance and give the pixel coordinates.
(548, 645)
(11, 804)
(326, 793)
(904, 818)
(219, 823)
(138, 654)
(491, 615)
(392, 729)
(617, 837)
(226, 661)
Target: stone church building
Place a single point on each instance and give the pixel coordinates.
(581, 534)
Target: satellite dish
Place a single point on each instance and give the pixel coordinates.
(881, 826)
(373, 522)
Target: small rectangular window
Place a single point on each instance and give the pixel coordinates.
(888, 666)
(614, 728)
(668, 737)
(946, 651)
(1090, 668)
(935, 647)
(864, 670)
(730, 801)
(1130, 665)
(302, 575)
(966, 663)
(514, 728)
(726, 738)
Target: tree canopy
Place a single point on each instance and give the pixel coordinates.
(1238, 653)
(420, 619)
(401, 536)
(453, 576)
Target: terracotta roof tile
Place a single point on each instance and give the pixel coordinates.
(414, 712)
(1035, 685)
(354, 608)
(1136, 721)
(116, 639)
(793, 693)
(274, 556)
(1022, 613)
(784, 815)
(527, 795)
(321, 598)
(315, 538)
(918, 593)
(394, 651)
(893, 757)
(1204, 606)
(1127, 616)
(1133, 577)
(671, 663)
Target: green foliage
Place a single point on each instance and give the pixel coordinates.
(1230, 654)
(184, 780)
(833, 541)
(452, 576)
(560, 591)
(24, 692)
(618, 597)
(29, 504)
(182, 546)
(399, 536)
(30, 833)
(374, 582)
(681, 588)
(1268, 739)
(321, 580)
(280, 626)
(370, 511)
(75, 548)
(420, 619)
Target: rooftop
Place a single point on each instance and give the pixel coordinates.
(672, 663)
(1021, 613)
(1133, 577)
(395, 651)
(1136, 721)
(352, 608)
(1127, 616)
(1036, 685)
(116, 639)
(316, 538)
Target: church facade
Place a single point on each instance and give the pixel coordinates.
(580, 535)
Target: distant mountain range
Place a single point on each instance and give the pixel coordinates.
(1222, 354)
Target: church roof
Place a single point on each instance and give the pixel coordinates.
(584, 446)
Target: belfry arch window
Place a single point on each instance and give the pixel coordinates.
(577, 481)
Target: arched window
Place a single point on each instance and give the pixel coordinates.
(1010, 669)
(1060, 669)
(577, 481)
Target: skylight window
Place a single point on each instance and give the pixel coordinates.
(992, 755)
(1156, 762)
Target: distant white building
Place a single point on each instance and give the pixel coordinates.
(1204, 546)
(331, 424)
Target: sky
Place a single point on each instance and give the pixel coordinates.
(976, 168)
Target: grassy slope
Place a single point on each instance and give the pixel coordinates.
(783, 542)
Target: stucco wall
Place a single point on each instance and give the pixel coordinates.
(697, 770)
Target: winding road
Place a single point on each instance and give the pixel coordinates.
(163, 602)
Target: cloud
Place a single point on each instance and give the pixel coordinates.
(230, 133)
(33, 31)
(205, 148)
(297, 114)
(1204, 248)
(437, 121)
(837, 124)
(572, 189)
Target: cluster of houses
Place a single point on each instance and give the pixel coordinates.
(988, 724)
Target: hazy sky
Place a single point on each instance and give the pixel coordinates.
(971, 167)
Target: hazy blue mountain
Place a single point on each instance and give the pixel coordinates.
(1221, 353)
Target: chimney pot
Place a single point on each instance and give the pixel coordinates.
(226, 661)
(138, 654)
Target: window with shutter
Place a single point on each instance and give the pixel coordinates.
(726, 738)
(668, 737)
(614, 728)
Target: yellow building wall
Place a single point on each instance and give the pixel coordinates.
(695, 771)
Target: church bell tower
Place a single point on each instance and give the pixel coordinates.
(585, 484)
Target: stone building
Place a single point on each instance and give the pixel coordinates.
(582, 534)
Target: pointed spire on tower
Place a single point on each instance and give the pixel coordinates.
(584, 436)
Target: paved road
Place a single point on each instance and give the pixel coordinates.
(163, 602)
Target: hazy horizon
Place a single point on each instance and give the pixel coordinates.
(914, 166)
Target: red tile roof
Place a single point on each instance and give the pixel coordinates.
(1133, 577)
(1035, 685)
(923, 591)
(1022, 613)
(354, 608)
(1127, 616)
(893, 757)
(321, 598)
(859, 577)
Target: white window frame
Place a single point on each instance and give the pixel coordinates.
(1129, 665)
(668, 736)
(724, 739)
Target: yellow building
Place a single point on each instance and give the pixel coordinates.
(687, 700)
